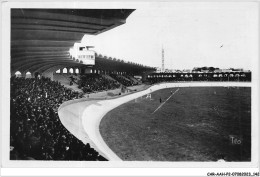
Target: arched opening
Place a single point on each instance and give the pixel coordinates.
(58, 71)
(28, 75)
(77, 71)
(65, 70)
(18, 74)
(70, 70)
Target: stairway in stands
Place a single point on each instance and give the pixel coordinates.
(108, 77)
(64, 79)
(136, 82)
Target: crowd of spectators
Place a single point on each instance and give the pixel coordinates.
(131, 78)
(123, 80)
(184, 77)
(35, 128)
(92, 82)
(72, 79)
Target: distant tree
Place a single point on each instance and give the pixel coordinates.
(211, 69)
(204, 68)
(196, 69)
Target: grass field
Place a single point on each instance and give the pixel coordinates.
(194, 124)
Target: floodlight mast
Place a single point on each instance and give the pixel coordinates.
(163, 69)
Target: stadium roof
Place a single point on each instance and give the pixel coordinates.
(41, 38)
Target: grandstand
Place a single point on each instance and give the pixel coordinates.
(40, 43)
(234, 76)
(57, 102)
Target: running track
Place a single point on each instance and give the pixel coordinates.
(82, 117)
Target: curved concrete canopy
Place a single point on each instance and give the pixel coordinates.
(41, 38)
(118, 65)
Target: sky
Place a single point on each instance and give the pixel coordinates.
(193, 34)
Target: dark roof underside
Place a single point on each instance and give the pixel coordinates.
(41, 38)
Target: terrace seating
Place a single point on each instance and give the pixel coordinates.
(123, 80)
(90, 83)
(36, 131)
(68, 80)
(134, 80)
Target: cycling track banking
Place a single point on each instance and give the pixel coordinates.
(82, 117)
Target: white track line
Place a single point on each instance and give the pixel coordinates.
(165, 101)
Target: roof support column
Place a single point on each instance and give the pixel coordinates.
(81, 70)
(23, 74)
(33, 74)
(68, 70)
(88, 70)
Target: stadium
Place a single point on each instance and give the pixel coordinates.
(70, 103)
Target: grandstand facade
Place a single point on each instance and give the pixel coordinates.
(41, 39)
(238, 76)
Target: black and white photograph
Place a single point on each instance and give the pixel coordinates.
(130, 84)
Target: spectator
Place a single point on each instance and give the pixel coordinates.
(36, 131)
(123, 80)
(95, 83)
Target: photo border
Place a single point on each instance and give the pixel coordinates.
(5, 98)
